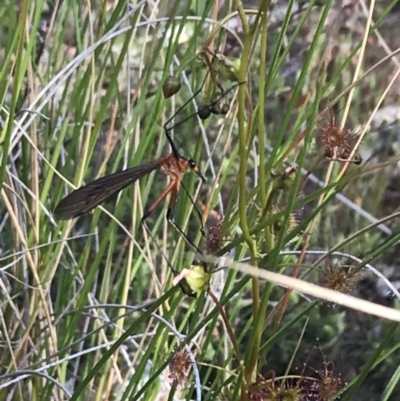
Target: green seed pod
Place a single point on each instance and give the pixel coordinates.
(198, 279)
(171, 86)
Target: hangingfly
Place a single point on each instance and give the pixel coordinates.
(86, 198)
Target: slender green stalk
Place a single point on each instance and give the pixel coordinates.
(243, 154)
(19, 73)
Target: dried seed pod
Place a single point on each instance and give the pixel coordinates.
(224, 108)
(358, 159)
(329, 153)
(215, 109)
(345, 154)
(171, 86)
(204, 111)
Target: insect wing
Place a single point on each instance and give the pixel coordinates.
(86, 198)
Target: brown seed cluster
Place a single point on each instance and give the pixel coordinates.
(340, 277)
(216, 236)
(338, 142)
(179, 367)
(275, 390)
(325, 386)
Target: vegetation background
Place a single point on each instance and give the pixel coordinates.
(88, 307)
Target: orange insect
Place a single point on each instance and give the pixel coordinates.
(86, 198)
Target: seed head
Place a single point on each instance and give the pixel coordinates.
(281, 389)
(340, 277)
(337, 141)
(179, 367)
(325, 386)
(216, 235)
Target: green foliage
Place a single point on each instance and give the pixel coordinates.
(90, 310)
